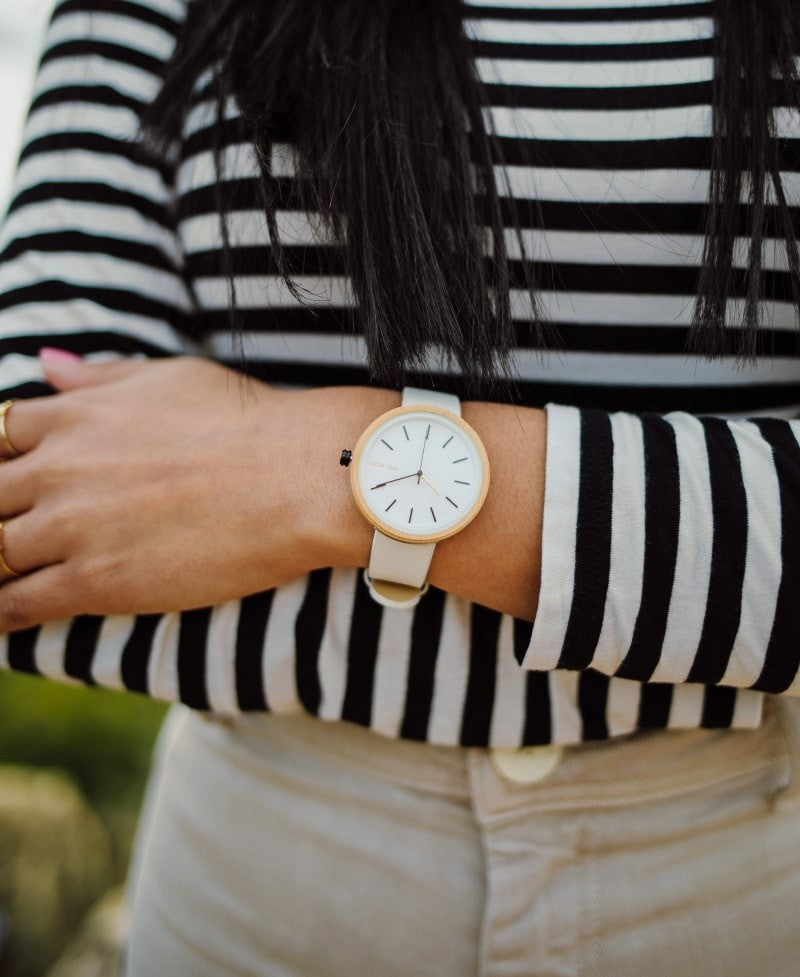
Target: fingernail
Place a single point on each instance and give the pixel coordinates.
(58, 355)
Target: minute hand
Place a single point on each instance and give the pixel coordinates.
(422, 456)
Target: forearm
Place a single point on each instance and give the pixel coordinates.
(495, 561)
(234, 488)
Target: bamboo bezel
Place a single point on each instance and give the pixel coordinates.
(375, 520)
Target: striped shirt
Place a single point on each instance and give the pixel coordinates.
(671, 545)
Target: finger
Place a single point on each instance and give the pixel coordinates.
(66, 371)
(7, 572)
(7, 446)
(45, 595)
(26, 423)
(29, 543)
(18, 485)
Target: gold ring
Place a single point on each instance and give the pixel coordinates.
(5, 407)
(6, 572)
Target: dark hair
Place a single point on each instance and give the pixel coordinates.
(752, 38)
(383, 105)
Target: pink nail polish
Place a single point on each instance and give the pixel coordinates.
(58, 355)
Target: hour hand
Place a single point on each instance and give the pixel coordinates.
(400, 479)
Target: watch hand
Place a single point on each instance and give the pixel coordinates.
(436, 490)
(424, 446)
(400, 479)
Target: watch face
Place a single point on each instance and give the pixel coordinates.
(419, 473)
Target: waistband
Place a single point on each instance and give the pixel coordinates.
(640, 766)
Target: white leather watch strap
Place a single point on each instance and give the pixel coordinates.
(398, 571)
(414, 395)
(405, 563)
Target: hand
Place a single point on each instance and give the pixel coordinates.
(159, 486)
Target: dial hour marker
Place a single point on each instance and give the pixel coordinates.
(460, 459)
(451, 501)
(448, 440)
(388, 507)
(459, 482)
(406, 433)
(433, 514)
(387, 445)
(410, 515)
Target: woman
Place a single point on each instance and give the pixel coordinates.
(203, 523)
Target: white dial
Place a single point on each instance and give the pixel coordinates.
(420, 473)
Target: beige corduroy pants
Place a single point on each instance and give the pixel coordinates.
(288, 847)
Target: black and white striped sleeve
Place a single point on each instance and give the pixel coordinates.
(671, 549)
(90, 262)
(89, 257)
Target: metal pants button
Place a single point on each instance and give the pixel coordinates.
(528, 765)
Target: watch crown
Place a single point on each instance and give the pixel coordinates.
(345, 458)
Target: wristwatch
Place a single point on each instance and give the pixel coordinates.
(419, 474)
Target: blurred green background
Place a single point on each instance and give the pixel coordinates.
(73, 767)
(104, 739)
(73, 762)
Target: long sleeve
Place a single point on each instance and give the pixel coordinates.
(671, 549)
(89, 259)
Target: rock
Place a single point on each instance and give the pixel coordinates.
(96, 950)
(54, 864)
